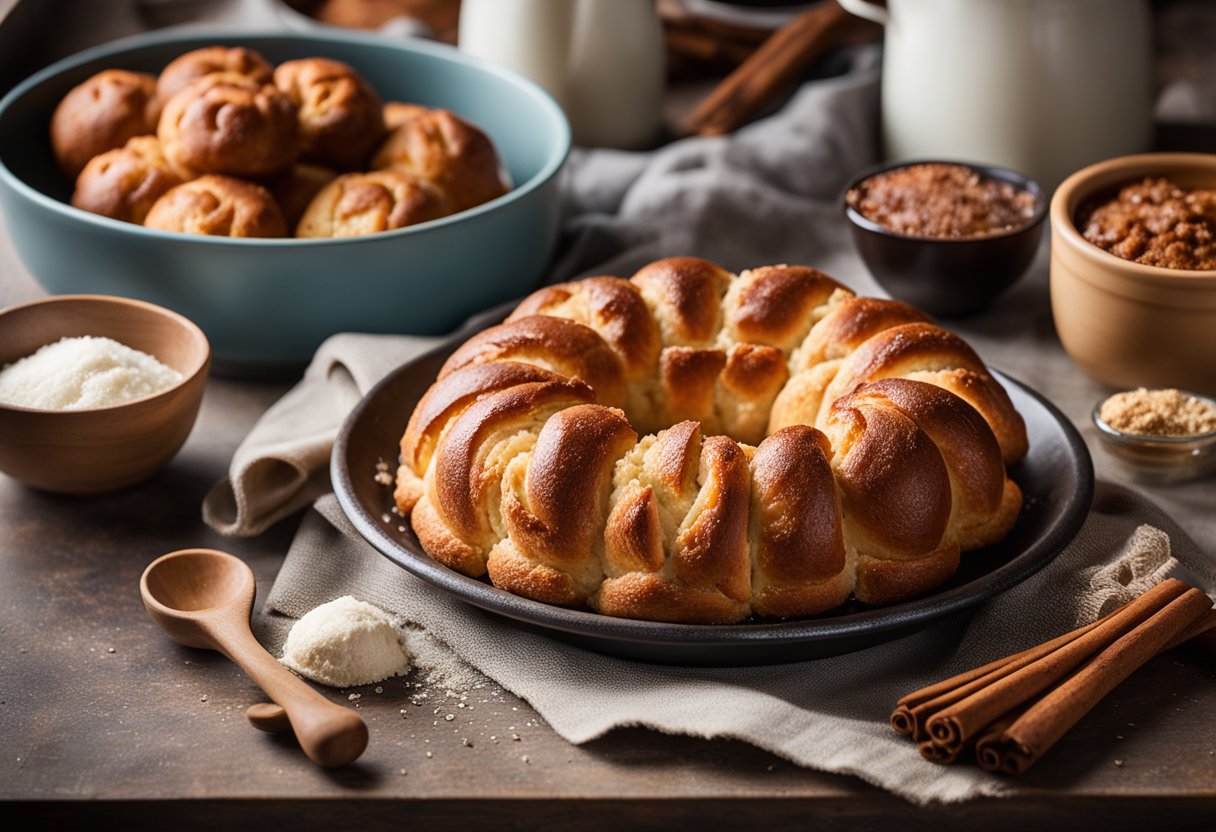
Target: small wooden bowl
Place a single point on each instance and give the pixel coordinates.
(100, 449)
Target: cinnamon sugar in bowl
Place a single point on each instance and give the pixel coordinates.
(1122, 316)
(945, 236)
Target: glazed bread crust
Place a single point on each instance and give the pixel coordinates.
(101, 114)
(126, 182)
(229, 124)
(441, 148)
(219, 206)
(355, 204)
(866, 448)
(185, 69)
(341, 117)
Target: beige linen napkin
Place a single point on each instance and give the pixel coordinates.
(283, 464)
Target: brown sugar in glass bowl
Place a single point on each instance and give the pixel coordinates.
(1158, 436)
(1126, 323)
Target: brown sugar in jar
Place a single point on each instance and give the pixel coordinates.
(943, 201)
(1155, 222)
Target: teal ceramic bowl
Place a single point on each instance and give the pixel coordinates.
(266, 305)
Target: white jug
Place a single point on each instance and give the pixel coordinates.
(603, 60)
(1041, 86)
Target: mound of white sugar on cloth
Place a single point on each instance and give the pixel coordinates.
(346, 642)
(76, 373)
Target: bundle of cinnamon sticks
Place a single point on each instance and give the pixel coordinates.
(1011, 711)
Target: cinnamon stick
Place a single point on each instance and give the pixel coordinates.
(771, 69)
(957, 724)
(913, 710)
(1017, 747)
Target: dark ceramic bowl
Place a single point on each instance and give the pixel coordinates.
(943, 276)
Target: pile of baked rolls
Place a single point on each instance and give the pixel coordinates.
(224, 143)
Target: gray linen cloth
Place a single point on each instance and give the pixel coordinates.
(768, 194)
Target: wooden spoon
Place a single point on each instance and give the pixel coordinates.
(203, 598)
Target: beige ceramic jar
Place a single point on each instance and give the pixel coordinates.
(1124, 323)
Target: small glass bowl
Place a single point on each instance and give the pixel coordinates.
(1159, 459)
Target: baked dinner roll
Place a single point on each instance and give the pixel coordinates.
(450, 153)
(457, 517)
(341, 117)
(885, 456)
(295, 188)
(101, 114)
(185, 69)
(676, 546)
(397, 113)
(366, 203)
(229, 124)
(220, 206)
(125, 182)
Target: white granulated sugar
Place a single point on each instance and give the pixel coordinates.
(346, 642)
(75, 373)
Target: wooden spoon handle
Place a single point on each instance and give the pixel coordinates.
(330, 734)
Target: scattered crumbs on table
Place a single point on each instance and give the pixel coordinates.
(354, 696)
(202, 698)
(386, 518)
(379, 689)
(1118, 736)
(449, 717)
(24, 650)
(769, 768)
(465, 742)
(429, 755)
(1118, 763)
(111, 650)
(514, 737)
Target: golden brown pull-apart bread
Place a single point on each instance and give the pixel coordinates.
(220, 206)
(188, 68)
(366, 203)
(227, 123)
(341, 117)
(101, 114)
(123, 183)
(448, 152)
(885, 456)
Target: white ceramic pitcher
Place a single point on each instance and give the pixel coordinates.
(603, 60)
(1041, 86)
